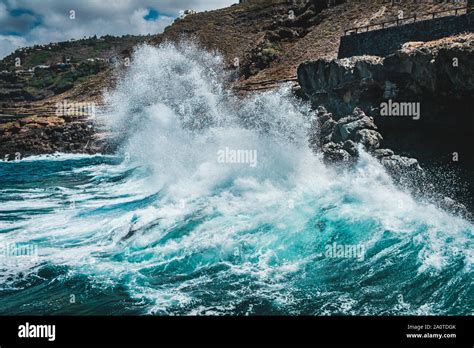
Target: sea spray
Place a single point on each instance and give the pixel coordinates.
(173, 231)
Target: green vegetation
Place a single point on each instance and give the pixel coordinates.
(60, 79)
(270, 53)
(38, 58)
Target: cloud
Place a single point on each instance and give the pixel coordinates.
(9, 43)
(16, 20)
(29, 22)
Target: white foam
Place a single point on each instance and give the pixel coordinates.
(177, 114)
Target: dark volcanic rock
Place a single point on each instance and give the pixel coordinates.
(348, 95)
(435, 76)
(334, 152)
(33, 138)
(371, 139)
(339, 141)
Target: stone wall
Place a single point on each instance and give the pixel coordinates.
(386, 41)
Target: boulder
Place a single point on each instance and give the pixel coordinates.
(371, 139)
(380, 153)
(349, 130)
(351, 148)
(396, 164)
(334, 153)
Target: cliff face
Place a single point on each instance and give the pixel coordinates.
(435, 72)
(385, 41)
(417, 102)
(436, 78)
(270, 39)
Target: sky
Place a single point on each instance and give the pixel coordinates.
(29, 22)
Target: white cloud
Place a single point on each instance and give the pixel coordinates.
(144, 27)
(3, 11)
(93, 17)
(9, 43)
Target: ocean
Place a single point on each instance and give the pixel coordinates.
(215, 205)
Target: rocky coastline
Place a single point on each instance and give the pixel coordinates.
(47, 132)
(348, 95)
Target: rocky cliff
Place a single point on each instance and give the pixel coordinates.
(437, 72)
(362, 100)
(270, 39)
(436, 76)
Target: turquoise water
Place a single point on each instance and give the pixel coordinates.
(164, 227)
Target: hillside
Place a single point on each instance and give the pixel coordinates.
(270, 43)
(105, 47)
(42, 71)
(263, 42)
(269, 39)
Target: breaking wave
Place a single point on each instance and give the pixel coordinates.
(215, 205)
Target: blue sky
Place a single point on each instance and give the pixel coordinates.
(29, 22)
